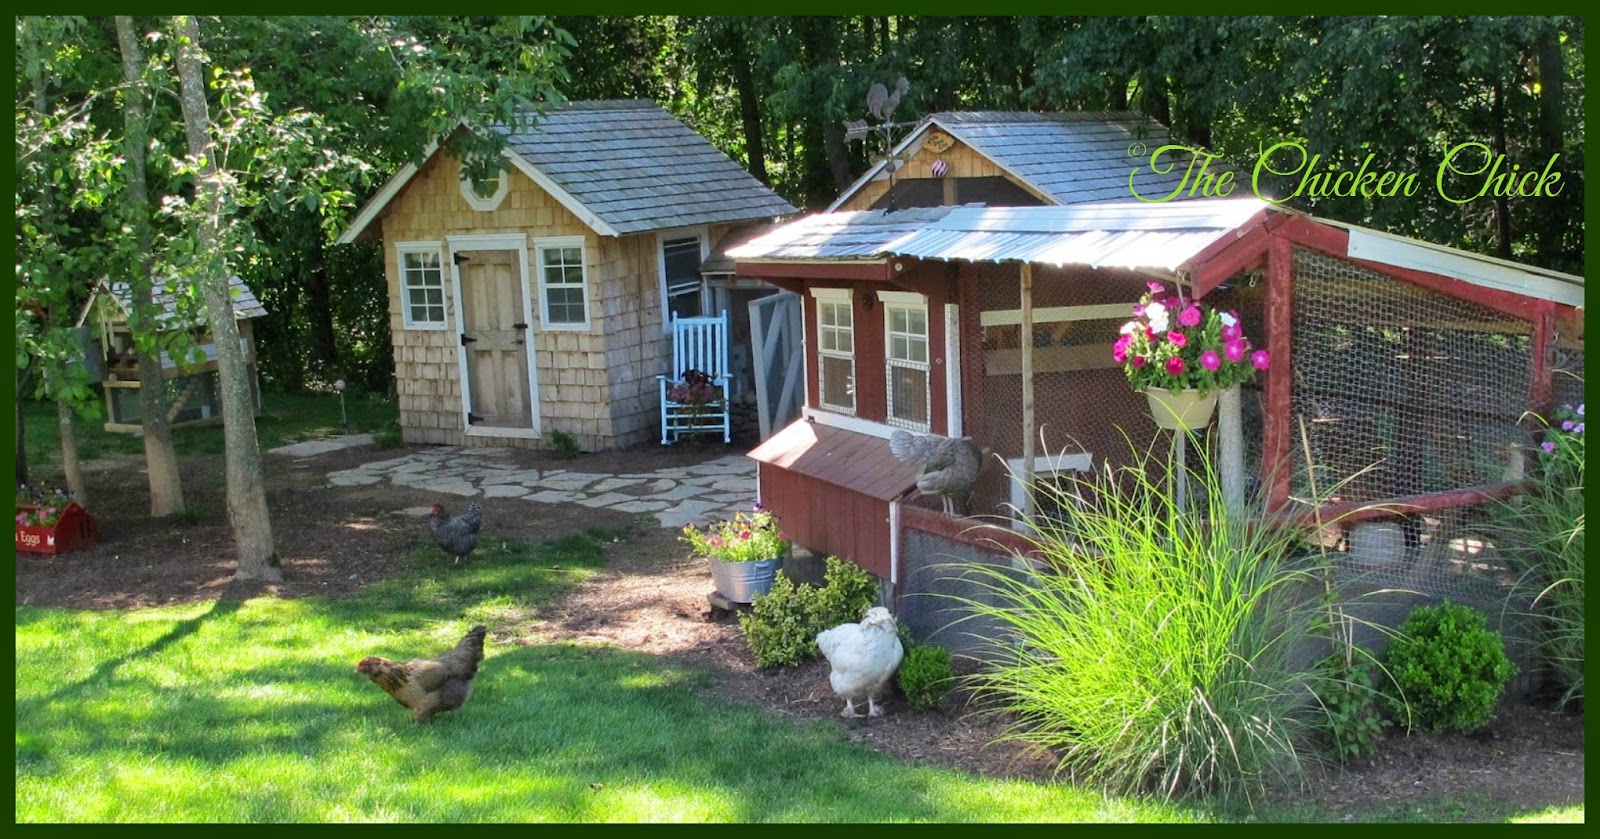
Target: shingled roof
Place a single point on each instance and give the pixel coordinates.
(622, 166)
(638, 168)
(1072, 158)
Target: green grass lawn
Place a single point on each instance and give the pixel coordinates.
(250, 711)
(285, 418)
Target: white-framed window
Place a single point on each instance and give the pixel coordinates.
(563, 283)
(682, 287)
(485, 194)
(836, 349)
(906, 360)
(421, 284)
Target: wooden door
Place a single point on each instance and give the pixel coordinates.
(495, 339)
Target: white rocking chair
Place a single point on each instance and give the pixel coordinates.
(698, 344)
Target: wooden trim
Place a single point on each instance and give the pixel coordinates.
(492, 203)
(1542, 390)
(1049, 360)
(876, 271)
(985, 536)
(518, 244)
(701, 232)
(831, 294)
(1211, 269)
(846, 422)
(1058, 314)
(582, 244)
(563, 197)
(952, 369)
(1277, 434)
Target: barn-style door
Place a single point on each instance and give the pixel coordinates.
(496, 341)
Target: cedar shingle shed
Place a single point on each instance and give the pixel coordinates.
(539, 300)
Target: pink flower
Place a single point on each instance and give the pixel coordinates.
(1155, 288)
(1138, 361)
(1149, 333)
(716, 542)
(1190, 316)
(1119, 350)
(1235, 349)
(745, 536)
(1260, 359)
(1210, 360)
(1138, 311)
(1232, 332)
(22, 519)
(1178, 339)
(1175, 366)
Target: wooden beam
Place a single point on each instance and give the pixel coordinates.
(1542, 389)
(1278, 414)
(1058, 314)
(1027, 390)
(1049, 360)
(1348, 511)
(1222, 259)
(875, 270)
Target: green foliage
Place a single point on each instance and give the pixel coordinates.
(1448, 668)
(1353, 723)
(781, 627)
(1153, 649)
(1542, 533)
(388, 437)
(925, 676)
(564, 445)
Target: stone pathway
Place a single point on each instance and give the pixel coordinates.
(676, 496)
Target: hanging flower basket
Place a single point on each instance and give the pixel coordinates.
(51, 531)
(1181, 410)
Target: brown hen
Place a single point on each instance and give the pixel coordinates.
(428, 686)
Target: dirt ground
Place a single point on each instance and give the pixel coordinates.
(651, 598)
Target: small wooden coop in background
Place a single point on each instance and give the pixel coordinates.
(194, 395)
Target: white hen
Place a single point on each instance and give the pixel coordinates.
(864, 656)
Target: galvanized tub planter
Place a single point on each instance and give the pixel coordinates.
(740, 582)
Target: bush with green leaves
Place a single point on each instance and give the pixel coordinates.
(782, 625)
(1152, 650)
(1448, 669)
(1541, 532)
(925, 676)
(1352, 722)
(564, 445)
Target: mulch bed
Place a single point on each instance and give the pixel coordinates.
(652, 599)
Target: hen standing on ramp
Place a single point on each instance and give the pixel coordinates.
(864, 657)
(949, 465)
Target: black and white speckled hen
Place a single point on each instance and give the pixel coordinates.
(457, 536)
(949, 465)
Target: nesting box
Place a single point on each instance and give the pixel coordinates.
(73, 530)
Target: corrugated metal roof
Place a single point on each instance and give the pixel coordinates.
(638, 168)
(245, 304)
(1072, 158)
(1127, 235)
(854, 461)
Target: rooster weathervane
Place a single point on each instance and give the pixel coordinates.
(881, 104)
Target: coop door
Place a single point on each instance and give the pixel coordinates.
(495, 340)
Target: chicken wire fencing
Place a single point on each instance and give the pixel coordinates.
(1402, 390)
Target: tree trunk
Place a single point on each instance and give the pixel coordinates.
(749, 109)
(247, 497)
(161, 462)
(70, 467)
(319, 299)
(1552, 83)
(1502, 207)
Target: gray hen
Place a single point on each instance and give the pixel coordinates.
(456, 536)
(949, 465)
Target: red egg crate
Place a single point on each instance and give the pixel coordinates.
(75, 529)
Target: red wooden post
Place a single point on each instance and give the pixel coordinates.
(1277, 434)
(1542, 386)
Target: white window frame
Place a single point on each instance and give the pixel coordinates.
(539, 247)
(835, 296)
(491, 203)
(402, 249)
(906, 301)
(661, 267)
(1044, 466)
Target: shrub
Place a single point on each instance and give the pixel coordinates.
(564, 445)
(1352, 723)
(1152, 651)
(388, 437)
(1542, 533)
(1448, 667)
(782, 625)
(925, 676)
